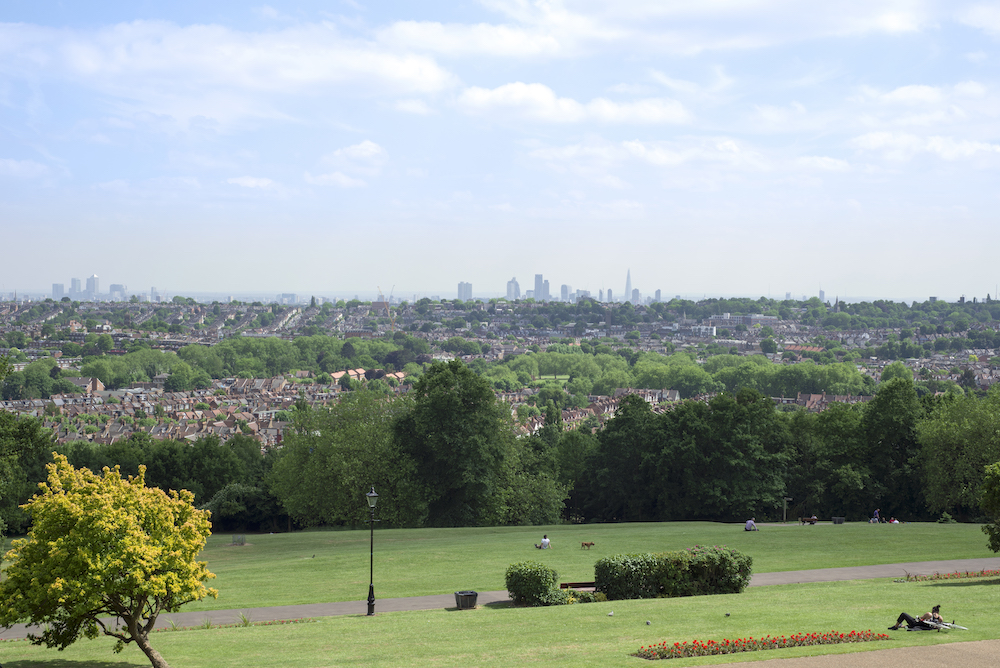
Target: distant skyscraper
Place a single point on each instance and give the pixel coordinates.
(74, 288)
(465, 291)
(539, 287)
(788, 296)
(566, 293)
(546, 295)
(822, 296)
(600, 295)
(513, 289)
(611, 296)
(636, 297)
(658, 296)
(116, 291)
(58, 289)
(154, 296)
(93, 287)
(628, 284)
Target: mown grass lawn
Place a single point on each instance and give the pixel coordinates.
(574, 636)
(322, 566)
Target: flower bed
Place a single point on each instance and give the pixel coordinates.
(957, 575)
(681, 650)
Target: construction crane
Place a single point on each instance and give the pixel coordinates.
(388, 309)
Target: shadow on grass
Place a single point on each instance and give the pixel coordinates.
(499, 605)
(966, 583)
(63, 663)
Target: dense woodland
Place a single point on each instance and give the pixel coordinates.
(448, 454)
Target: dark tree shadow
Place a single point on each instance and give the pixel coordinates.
(967, 583)
(64, 663)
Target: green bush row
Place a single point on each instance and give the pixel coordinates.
(692, 572)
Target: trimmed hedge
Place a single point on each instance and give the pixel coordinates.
(531, 583)
(692, 572)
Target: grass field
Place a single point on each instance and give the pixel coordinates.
(320, 566)
(282, 569)
(577, 635)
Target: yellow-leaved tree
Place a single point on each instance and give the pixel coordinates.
(104, 555)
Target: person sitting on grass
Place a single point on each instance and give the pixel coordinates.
(751, 525)
(928, 620)
(546, 543)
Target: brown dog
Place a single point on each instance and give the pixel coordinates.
(586, 545)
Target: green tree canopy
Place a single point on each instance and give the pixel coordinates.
(102, 546)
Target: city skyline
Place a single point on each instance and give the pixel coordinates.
(465, 291)
(717, 148)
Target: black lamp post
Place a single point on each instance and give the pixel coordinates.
(372, 500)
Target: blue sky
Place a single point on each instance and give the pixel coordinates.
(738, 147)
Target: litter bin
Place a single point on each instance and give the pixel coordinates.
(465, 600)
(839, 520)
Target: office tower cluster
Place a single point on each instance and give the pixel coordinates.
(542, 293)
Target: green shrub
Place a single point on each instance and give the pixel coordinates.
(691, 572)
(558, 596)
(719, 570)
(623, 576)
(529, 582)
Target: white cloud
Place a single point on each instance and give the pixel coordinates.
(539, 102)
(413, 106)
(970, 89)
(824, 163)
(903, 146)
(252, 182)
(22, 168)
(915, 94)
(215, 72)
(367, 151)
(599, 161)
(366, 158)
(986, 17)
(334, 179)
(693, 27)
(462, 40)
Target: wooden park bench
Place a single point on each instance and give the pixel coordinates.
(582, 586)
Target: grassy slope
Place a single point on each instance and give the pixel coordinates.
(280, 569)
(576, 636)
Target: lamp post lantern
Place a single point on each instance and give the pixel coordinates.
(372, 500)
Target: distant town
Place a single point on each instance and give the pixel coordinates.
(81, 358)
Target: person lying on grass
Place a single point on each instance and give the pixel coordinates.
(928, 620)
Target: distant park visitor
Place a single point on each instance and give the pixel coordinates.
(546, 543)
(751, 525)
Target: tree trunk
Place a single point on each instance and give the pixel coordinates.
(154, 657)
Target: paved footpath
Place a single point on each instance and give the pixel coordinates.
(980, 654)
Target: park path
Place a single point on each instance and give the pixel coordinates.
(440, 601)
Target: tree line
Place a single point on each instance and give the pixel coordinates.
(449, 454)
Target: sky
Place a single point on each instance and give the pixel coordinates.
(719, 147)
